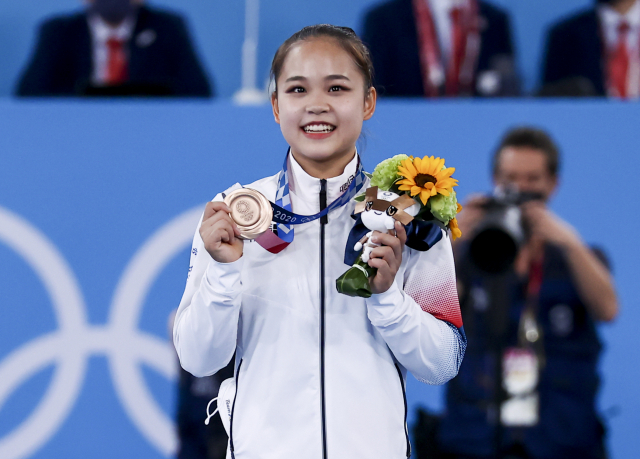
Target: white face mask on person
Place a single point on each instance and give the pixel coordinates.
(112, 11)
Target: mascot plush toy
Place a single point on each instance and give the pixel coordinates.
(379, 212)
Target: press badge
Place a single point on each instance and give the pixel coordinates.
(520, 370)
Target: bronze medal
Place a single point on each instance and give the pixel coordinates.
(250, 210)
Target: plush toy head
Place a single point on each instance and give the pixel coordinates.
(381, 209)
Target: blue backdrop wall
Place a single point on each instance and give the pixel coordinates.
(98, 205)
(218, 30)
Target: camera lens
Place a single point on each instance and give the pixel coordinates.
(497, 240)
(493, 250)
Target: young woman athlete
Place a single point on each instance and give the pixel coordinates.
(318, 374)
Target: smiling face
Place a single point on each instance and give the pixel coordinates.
(320, 105)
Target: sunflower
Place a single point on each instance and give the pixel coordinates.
(426, 177)
(455, 231)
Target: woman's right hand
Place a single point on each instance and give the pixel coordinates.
(220, 233)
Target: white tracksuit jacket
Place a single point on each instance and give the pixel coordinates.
(318, 381)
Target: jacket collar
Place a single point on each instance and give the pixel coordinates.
(611, 17)
(102, 31)
(307, 188)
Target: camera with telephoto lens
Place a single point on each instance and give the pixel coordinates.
(500, 234)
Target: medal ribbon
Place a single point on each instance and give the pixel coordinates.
(285, 218)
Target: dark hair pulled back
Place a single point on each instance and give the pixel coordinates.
(344, 36)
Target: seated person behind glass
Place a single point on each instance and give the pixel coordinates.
(114, 47)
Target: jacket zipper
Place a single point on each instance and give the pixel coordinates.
(323, 221)
(404, 398)
(233, 408)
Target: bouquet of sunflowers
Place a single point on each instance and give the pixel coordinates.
(426, 178)
(415, 191)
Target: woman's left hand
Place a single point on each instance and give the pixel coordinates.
(386, 258)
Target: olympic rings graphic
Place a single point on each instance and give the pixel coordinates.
(75, 340)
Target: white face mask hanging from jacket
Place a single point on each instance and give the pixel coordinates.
(226, 395)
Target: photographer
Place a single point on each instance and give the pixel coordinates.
(528, 384)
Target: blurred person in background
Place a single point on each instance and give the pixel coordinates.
(197, 439)
(114, 47)
(532, 293)
(435, 48)
(595, 52)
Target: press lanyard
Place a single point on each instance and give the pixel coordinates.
(521, 365)
(535, 280)
(529, 331)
